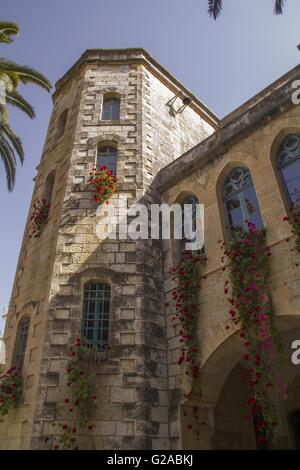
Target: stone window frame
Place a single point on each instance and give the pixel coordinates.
(274, 146)
(175, 250)
(16, 349)
(279, 166)
(108, 276)
(108, 139)
(108, 94)
(109, 144)
(83, 320)
(49, 186)
(61, 123)
(223, 176)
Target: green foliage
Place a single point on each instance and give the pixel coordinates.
(251, 309)
(187, 275)
(78, 381)
(215, 7)
(78, 405)
(39, 217)
(11, 76)
(104, 183)
(11, 390)
(294, 219)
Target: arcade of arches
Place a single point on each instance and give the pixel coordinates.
(224, 399)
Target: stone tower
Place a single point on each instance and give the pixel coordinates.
(149, 133)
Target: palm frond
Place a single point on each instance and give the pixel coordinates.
(26, 74)
(8, 29)
(279, 4)
(14, 139)
(9, 161)
(214, 8)
(15, 99)
(10, 77)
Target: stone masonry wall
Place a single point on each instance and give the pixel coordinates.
(33, 274)
(257, 152)
(131, 384)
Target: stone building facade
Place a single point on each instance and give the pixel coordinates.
(168, 146)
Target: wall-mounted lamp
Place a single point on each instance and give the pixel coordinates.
(185, 101)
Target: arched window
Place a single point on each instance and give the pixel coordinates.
(96, 306)
(49, 186)
(21, 342)
(107, 156)
(110, 108)
(189, 224)
(288, 164)
(61, 124)
(240, 200)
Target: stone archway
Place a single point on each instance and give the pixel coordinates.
(224, 398)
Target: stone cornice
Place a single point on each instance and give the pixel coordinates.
(256, 112)
(137, 56)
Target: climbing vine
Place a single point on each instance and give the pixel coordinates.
(78, 404)
(11, 390)
(247, 288)
(104, 184)
(187, 276)
(294, 219)
(39, 217)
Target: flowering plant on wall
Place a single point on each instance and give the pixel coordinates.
(251, 309)
(11, 389)
(39, 217)
(187, 275)
(294, 219)
(104, 183)
(77, 405)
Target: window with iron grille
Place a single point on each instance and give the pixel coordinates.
(110, 109)
(240, 201)
(288, 164)
(22, 337)
(96, 306)
(107, 156)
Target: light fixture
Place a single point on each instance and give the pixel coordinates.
(185, 101)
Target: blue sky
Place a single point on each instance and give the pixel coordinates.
(223, 62)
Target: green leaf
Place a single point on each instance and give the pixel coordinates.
(8, 29)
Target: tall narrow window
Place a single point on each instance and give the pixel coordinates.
(96, 306)
(61, 124)
(21, 342)
(189, 224)
(240, 200)
(288, 164)
(107, 156)
(49, 186)
(110, 109)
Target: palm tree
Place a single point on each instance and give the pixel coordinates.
(11, 75)
(215, 7)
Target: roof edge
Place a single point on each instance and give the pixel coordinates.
(135, 55)
(267, 105)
